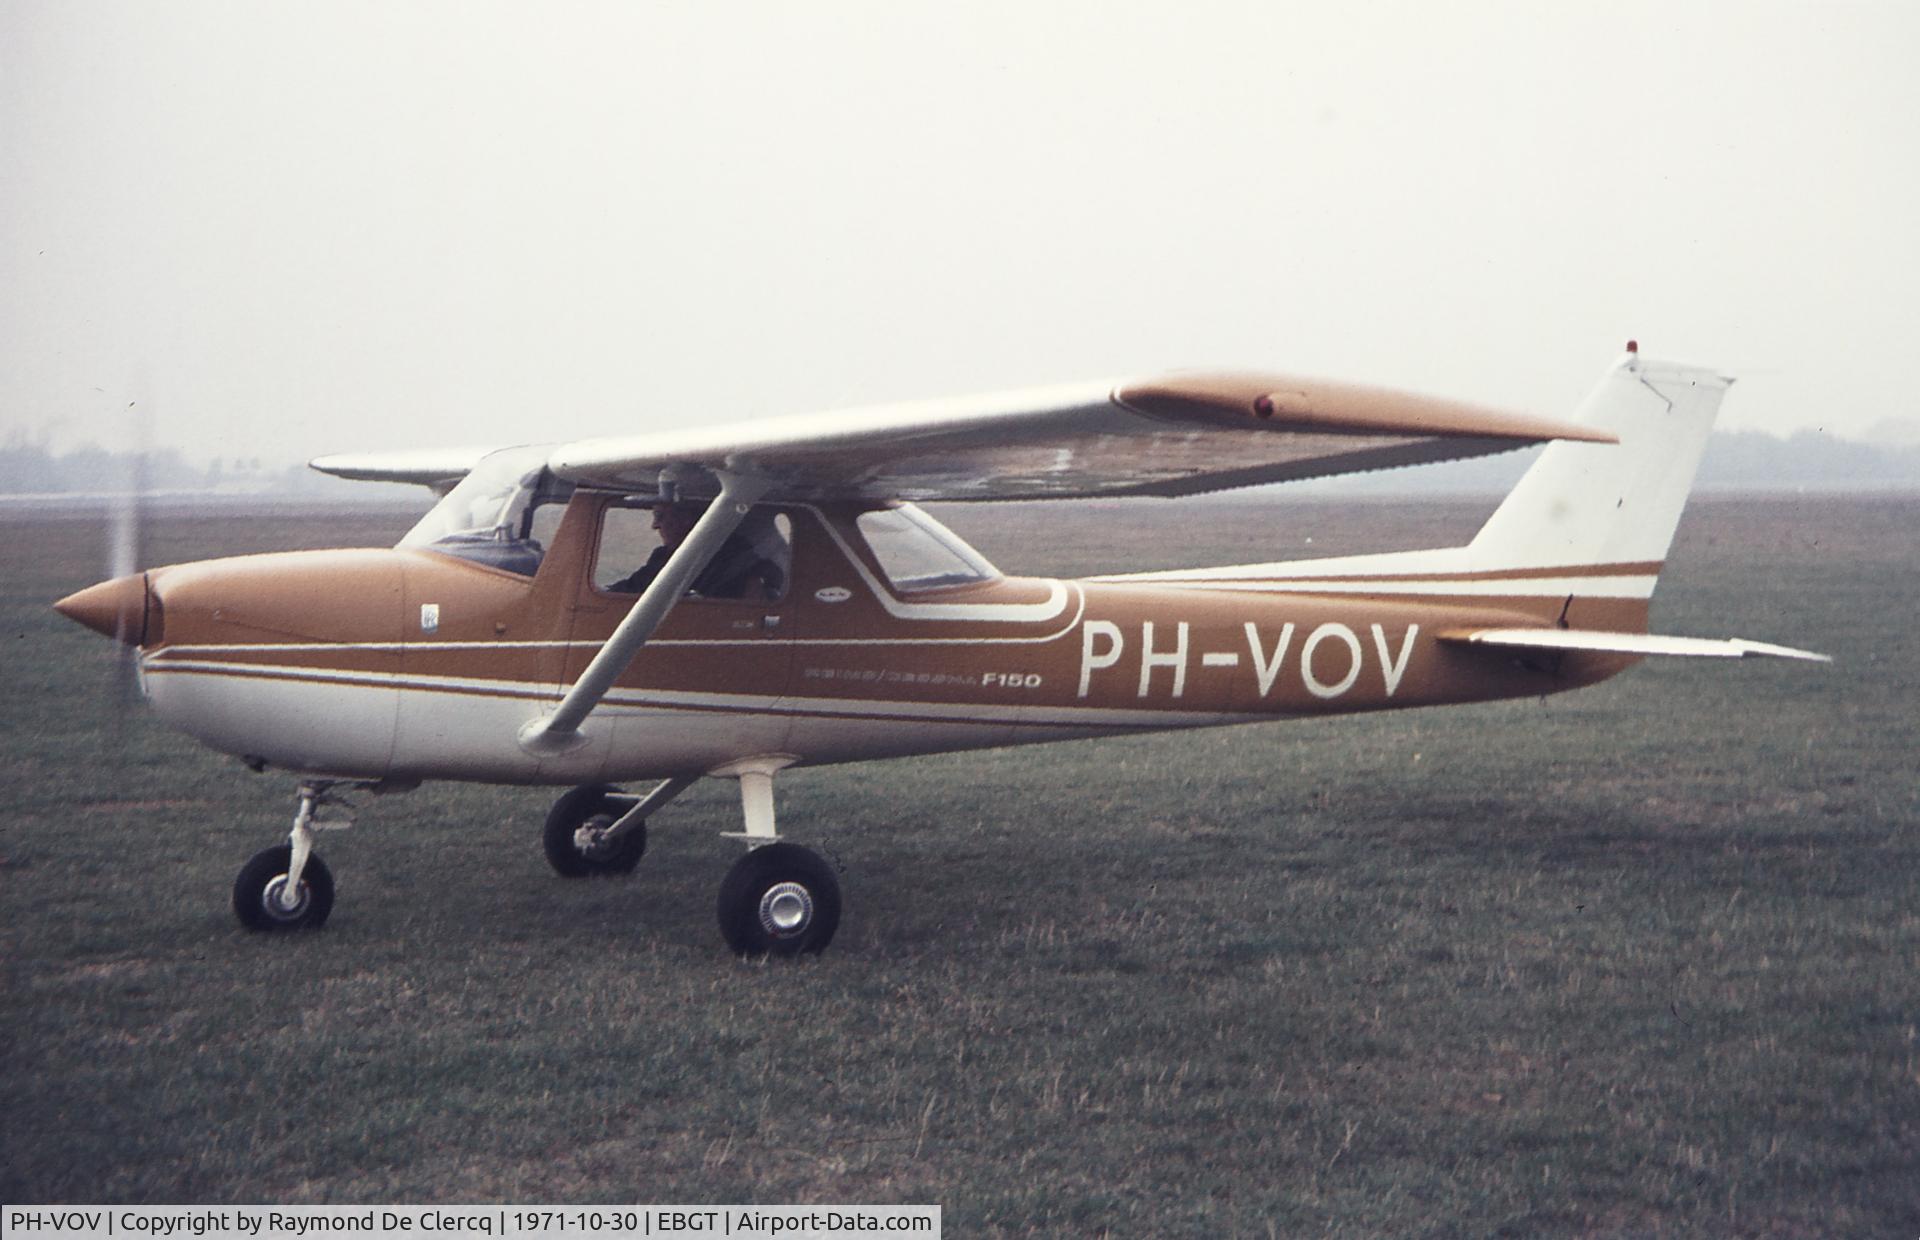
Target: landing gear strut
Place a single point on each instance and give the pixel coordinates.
(780, 899)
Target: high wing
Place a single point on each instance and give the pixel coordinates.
(439, 468)
(1181, 434)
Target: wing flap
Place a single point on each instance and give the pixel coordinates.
(1596, 642)
(1179, 435)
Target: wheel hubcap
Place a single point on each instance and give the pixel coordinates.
(786, 910)
(591, 839)
(273, 898)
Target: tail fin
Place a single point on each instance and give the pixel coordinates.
(1603, 518)
(1587, 505)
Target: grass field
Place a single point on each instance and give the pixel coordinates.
(1639, 960)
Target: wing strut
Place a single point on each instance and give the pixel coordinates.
(560, 731)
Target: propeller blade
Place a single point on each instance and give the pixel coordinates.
(126, 552)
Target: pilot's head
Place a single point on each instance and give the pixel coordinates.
(675, 521)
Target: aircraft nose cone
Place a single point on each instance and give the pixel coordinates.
(116, 608)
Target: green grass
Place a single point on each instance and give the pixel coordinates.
(1639, 960)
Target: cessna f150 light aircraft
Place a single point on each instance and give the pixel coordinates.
(800, 610)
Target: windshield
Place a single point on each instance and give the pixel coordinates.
(490, 517)
(918, 553)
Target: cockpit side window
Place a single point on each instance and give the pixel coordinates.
(918, 553)
(636, 540)
(499, 515)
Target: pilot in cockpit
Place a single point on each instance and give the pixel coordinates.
(743, 568)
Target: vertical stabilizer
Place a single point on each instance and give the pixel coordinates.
(1583, 505)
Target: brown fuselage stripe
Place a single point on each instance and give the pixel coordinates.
(773, 708)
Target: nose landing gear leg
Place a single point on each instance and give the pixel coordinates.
(288, 887)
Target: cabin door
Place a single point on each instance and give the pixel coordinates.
(709, 686)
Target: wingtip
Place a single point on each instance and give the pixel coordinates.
(1767, 650)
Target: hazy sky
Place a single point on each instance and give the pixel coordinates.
(335, 226)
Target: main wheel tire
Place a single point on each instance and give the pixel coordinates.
(779, 900)
(257, 890)
(591, 806)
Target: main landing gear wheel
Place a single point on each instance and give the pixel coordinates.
(259, 894)
(575, 840)
(779, 900)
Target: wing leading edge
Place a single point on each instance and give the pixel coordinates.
(1177, 435)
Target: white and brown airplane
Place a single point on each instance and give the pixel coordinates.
(796, 609)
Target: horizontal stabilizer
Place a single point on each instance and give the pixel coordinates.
(1597, 642)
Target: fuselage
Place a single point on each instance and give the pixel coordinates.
(410, 664)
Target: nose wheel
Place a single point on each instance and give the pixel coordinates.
(265, 897)
(288, 887)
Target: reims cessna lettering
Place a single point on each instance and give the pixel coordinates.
(737, 601)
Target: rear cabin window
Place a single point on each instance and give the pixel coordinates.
(754, 563)
(918, 553)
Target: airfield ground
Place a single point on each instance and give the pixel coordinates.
(1643, 959)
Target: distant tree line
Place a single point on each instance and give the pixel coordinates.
(30, 467)
(1805, 458)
